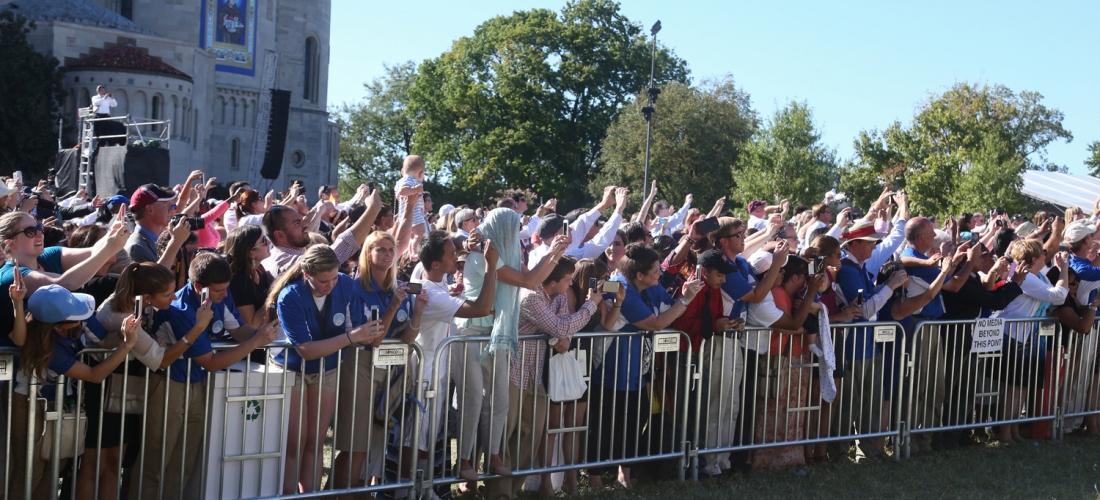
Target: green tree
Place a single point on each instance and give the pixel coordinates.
(31, 84)
(698, 136)
(787, 159)
(377, 134)
(526, 101)
(965, 150)
(1093, 161)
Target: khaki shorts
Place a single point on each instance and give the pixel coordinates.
(360, 385)
(314, 380)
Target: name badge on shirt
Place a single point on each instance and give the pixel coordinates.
(218, 326)
(402, 316)
(338, 319)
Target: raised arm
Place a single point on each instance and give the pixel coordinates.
(76, 276)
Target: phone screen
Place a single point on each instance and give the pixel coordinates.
(139, 306)
(205, 295)
(374, 313)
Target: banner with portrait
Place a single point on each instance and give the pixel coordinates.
(229, 33)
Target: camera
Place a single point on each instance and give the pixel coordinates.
(195, 222)
(413, 288)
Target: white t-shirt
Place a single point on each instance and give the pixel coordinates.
(765, 314)
(757, 223)
(435, 321)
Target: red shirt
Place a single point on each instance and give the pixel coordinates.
(691, 322)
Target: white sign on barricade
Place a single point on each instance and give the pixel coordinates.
(988, 335)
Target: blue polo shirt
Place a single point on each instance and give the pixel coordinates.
(928, 274)
(382, 300)
(173, 324)
(299, 314)
(623, 361)
(65, 351)
(225, 312)
(738, 283)
(861, 343)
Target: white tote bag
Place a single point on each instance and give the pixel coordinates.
(566, 380)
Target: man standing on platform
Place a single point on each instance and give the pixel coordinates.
(102, 102)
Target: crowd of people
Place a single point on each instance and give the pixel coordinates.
(154, 280)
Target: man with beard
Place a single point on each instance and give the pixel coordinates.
(286, 229)
(231, 23)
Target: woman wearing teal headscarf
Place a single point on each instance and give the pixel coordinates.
(480, 369)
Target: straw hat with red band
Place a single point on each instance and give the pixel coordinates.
(862, 230)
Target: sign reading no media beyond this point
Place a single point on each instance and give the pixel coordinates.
(988, 335)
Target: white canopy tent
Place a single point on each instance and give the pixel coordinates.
(1061, 189)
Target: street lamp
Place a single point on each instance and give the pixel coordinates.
(647, 111)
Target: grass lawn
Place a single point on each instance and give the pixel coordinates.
(1069, 469)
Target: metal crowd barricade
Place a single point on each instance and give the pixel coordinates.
(650, 414)
(1080, 396)
(952, 388)
(242, 431)
(761, 393)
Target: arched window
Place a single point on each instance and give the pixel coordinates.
(311, 70)
(156, 111)
(235, 154)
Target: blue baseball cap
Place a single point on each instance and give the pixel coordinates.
(54, 304)
(116, 199)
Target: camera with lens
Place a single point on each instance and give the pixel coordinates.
(195, 222)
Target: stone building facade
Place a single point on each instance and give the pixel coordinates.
(179, 60)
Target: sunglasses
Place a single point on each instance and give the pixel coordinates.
(33, 231)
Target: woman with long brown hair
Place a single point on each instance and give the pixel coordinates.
(22, 241)
(54, 327)
(247, 247)
(156, 286)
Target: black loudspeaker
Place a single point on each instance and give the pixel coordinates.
(276, 134)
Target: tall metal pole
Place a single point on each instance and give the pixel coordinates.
(648, 110)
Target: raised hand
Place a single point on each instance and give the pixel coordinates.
(203, 315)
(129, 332)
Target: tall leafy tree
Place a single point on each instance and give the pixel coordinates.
(965, 149)
(31, 84)
(526, 101)
(377, 133)
(1093, 161)
(787, 159)
(699, 134)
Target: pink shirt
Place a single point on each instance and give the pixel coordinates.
(208, 236)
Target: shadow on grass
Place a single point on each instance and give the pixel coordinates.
(1035, 469)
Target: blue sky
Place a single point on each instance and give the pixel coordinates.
(859, 64)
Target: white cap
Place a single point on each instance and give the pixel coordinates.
(1078, 231)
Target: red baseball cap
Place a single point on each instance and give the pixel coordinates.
(149, 194)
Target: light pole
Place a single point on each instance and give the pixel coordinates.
(648, 110)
